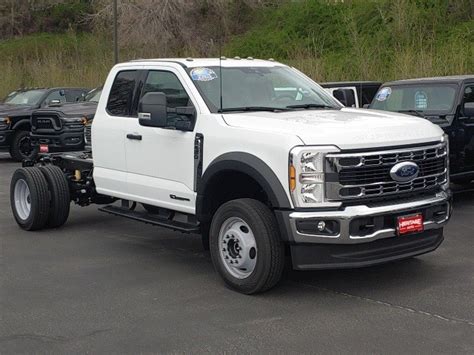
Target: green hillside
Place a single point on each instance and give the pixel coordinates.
(379, 40)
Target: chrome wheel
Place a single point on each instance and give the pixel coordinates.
(238, 248)
(22, 199)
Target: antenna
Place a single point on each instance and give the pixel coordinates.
(220, 72)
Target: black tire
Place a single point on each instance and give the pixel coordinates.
(21, 148)
(38, 198)
(60, 201)
(205, 228)
(270, 255)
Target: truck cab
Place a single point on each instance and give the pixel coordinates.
(259, 160)
(445, 101)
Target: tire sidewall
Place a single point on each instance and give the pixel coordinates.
(20, 175)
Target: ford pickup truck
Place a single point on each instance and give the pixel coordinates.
(446, 101)
(259, 160)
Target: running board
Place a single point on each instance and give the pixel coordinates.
(151, 219)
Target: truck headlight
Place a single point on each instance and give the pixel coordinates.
(306, 174)
(4, 122)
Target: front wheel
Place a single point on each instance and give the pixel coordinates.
(245, 245)
(21, 147)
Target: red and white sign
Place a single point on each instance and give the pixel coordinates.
(410, 224)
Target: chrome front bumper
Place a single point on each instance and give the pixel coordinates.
(349, 214)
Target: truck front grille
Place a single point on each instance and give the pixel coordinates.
(47, 123)
(365, 175)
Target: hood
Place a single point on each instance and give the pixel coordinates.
(13, 110)
(79, 109)
(347, 128)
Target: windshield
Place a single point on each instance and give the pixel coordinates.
(93, 95)
(259, 88)
(30, 97)
(423, 98)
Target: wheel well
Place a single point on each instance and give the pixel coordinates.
(22, 126)
(226, 186)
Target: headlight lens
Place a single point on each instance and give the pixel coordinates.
(4, 122)
(306, 174)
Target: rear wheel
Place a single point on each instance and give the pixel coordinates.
(245, 245)
(29, 198)
(60, 198)
(21, 147)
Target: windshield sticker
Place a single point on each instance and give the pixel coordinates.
(203, 74)
(421, 100)
(383, 94)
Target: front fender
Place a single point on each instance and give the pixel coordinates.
(250, 165)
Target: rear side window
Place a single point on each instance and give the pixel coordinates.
(122, 92)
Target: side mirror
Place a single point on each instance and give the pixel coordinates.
(54, 102)
(468, 109)
(152, 110)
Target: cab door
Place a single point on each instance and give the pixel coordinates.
(160, 161)
(109, 130)
(466, 122)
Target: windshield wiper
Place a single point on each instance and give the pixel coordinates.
(416, 112)
(308, 106)
(252, 108)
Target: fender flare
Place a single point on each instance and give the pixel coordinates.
(21, 122)
(250, 165)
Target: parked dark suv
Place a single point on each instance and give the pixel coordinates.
(445, 101)
(15, 113)
(62, 128)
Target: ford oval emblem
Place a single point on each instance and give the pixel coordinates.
(404, 172)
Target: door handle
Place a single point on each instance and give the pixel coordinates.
(136, 137)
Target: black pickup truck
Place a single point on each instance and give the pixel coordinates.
(16, 110)
(62, 128)
(446, 101)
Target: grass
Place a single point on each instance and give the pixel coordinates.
(53, 60)
(355, 40)
(365, 40)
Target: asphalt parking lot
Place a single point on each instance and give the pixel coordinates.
(103, 284)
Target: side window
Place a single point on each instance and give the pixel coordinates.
(345, 96)
(121, 94)
(169, 84)
(73, 95)
(57, 95)
(469, 94)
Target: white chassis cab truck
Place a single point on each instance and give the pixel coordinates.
(259, 160)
